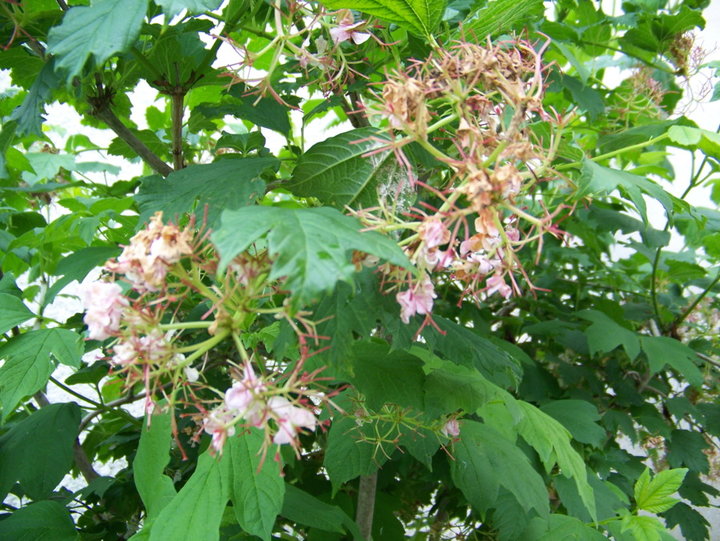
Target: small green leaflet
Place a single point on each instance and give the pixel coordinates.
(258, 488)
(155, 488)
(642, 528)
(13, 312)
(100, 30)
(336, 172)
(225, 184)
(421, 16)
(29, 114)
(28, 362)
(173, 7)
(38, 521)
(38, 451)
(311, 247)
(655, 495)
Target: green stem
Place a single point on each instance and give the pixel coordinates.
(697, 301)
(204, 347)
(186, 325)
(614, 153)
(75, 393)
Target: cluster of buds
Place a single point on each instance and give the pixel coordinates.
(257, 402)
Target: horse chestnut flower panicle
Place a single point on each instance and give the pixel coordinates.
(104, 304)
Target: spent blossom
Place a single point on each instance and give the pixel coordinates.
(104, 303)
(347, 29)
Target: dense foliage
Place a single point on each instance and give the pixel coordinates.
(477, 312)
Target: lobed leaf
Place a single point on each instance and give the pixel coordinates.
(655, 495)
(421, 16)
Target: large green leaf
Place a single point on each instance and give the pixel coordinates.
(604, 335)
(484, 461)
(580, 418)
(29, 114)
(347, 456)
(13, 312)
(335, 172)
(28, 363)
(663, 351)
(40, 521)
(384, 376)
(311, 247)
(561, 527)
(303, 508)
(421, 16)
(38, 451)
(155, 488)
(552, 443)
(655, 495)
(499, 16)
(258, 487)
(693, 525)
(225, 184)
(197, 510)
(100, 30)
(465, 347)
(173, 7)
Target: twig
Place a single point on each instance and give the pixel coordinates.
(148, 156)
(177, 121)
(366, 504)
(63, 5)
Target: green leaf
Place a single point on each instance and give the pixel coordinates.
(498, 16)
(420, 16)
(258, 487)
(568, 529)
(335, 171)
(29, 114)
(311, 247)
(197, 510)
(40, 521)
(604, 335)
(642, 527)
(485, 461)
(78, 265)
(693, 525)
(303, 508)
(226, 184)
(599, 180)
(455, 387)
(100, 30)
(663, 351)
(580, 418)
(28, 362)
(552, 442)
(385, 376)
(173, 7)
(13, 312)
(38, 451)
(155, 488)
(265, 112)
(347, 456)
(465, 347)
(655, 495)
(687, 448)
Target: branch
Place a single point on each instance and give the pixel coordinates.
(356, 111)
(366, 504)
(113, 122)
(177, 121)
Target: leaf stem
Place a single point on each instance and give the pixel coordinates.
(678, 320)
(75, 393)
(614, 153)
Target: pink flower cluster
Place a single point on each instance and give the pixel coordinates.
(151, 348)
(104, 304)
(417, 299)
(151, 252)
(248, 399)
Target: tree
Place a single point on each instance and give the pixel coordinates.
(455, 319)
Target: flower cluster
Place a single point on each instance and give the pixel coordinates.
(252, 399)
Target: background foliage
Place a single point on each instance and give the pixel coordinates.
(534, 413)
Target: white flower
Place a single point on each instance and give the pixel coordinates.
(290, 419)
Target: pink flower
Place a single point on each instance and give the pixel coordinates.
(418, 300)
(104, 303)
(216, 424)
(451, 429)
(346, 31)
(290, 419)
(496, 283)
(245, 397)
(434, 233)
